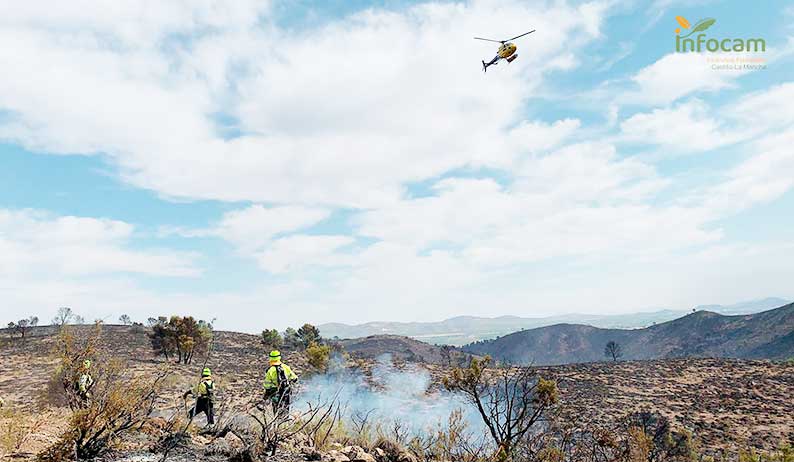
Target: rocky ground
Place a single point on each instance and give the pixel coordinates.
(726, 404)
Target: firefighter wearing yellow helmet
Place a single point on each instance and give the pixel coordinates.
(279, 380)
(204, 392)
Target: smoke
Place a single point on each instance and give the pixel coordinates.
(389, 396)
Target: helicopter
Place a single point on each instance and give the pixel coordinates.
(506, 50)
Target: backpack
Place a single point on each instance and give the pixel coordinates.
(283, 381)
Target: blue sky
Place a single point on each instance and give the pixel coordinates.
(269, 164)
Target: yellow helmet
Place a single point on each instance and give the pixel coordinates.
(275, 357)
(206, 372)
(87, 363)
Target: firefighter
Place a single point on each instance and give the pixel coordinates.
(84, 382)
(204, 392)
(279, 380)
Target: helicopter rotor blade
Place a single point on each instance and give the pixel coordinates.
(489, 40)
(517, 36)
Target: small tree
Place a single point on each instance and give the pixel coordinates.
(182, 337)
(446, 354)
(318, 355)
(63, 317)
(512, 402)
(124, 319)
(613, 350)
(309, 334)
(23, 325)
(291, 338)
(162, 338)
(271, 338)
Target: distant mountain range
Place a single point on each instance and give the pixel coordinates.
(462, 330)
(767, 335)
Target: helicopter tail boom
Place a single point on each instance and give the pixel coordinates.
(491, 63)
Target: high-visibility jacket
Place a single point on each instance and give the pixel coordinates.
(272, 381)
(204, 389)
(85, 382)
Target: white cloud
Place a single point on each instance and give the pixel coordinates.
(763, 177)
(295, 253)
(767, 109)
(685, 128)
(676, 75)
(34, 242)
(537, 137)
(342, 115)
(579, 200)
(252, 228)
(588, 172)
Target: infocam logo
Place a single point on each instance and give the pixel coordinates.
(701, 42)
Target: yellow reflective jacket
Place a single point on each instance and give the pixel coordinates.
(271, 376)
(85, 382)
(204, 389)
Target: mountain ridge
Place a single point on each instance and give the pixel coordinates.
(461, 330)
(765, 335)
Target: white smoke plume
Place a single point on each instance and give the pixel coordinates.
(389, 396)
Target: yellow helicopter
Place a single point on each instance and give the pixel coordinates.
(506, 50)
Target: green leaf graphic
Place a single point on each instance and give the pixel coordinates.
(701, 26)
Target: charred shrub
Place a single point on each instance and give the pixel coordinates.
(116, 402)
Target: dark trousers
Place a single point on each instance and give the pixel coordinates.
(204, 405)
(281, 403)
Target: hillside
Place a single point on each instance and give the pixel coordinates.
(239, 360)
(462, 330)
(402, 349)
(726, 404)
(769, 335)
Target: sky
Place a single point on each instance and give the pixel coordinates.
(267, 164)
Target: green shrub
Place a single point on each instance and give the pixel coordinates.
(318, 355)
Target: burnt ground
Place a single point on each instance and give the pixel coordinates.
(727, 404)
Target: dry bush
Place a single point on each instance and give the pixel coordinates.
(16, 429)
(274, 429)
(452, 441)
(512, 401)
(785, 453)
(316, 426)
(120, 401)
(639, 437)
